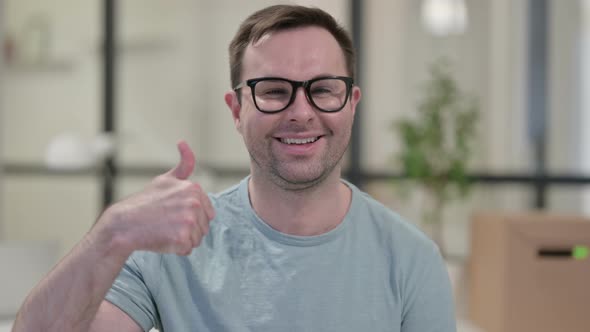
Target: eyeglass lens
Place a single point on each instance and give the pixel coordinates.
(326, 94)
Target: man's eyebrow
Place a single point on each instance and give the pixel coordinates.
(322, 75)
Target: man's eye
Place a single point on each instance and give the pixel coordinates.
(321, 90)
(276, 92)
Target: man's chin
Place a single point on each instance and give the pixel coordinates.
(301, 181)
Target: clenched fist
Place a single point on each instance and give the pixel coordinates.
(171, 215)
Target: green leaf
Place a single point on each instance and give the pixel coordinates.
(437, 143)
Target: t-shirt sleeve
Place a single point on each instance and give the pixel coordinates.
(429, 303)
(130, 292)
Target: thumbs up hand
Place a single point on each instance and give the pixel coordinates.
(171, 215)
(185, 167)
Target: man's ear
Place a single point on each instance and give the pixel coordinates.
(232, 102)
(355, 97)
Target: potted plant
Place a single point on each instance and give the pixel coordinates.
(437, 145)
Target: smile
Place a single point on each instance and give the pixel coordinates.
(298, 140)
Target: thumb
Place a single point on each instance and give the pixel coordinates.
(185, 167)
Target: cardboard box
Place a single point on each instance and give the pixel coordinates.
(523, 276)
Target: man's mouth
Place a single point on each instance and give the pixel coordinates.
(299, 140)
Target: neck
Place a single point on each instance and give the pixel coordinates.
(311, 211)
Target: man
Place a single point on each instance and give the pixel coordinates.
(292, 247)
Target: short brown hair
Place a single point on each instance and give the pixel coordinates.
(282, 17)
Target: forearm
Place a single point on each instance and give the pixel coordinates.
(68, 298)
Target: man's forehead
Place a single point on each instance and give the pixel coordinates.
(302, 46)
(260, 41)
(307, 36)
(292, 31)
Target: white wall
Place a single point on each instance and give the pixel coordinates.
(1, 113)
(584, 98)
(566, 141)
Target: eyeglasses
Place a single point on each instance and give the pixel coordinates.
(275, 94)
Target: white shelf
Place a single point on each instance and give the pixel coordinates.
(46, 66)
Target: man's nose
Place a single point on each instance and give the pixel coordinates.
(301, 109)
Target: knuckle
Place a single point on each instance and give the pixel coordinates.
(188, 220)
(195, 203)
(187, 185)
(197, 187)
(182, 237)
(182, 188)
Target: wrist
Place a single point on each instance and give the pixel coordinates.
(109, 237)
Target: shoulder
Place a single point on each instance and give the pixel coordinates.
(414, 259)
(231, 205)
(403, 241)
(227, 196)
(228, 204)
(401, 231)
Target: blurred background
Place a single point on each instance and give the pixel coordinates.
(95, 94)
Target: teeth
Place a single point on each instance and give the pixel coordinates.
(299, 140)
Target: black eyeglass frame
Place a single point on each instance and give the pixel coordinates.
(296, 84)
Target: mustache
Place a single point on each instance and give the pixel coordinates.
(296, 128)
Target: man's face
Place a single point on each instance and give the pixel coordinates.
(299, 146)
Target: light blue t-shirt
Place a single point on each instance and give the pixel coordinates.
(373, 272)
